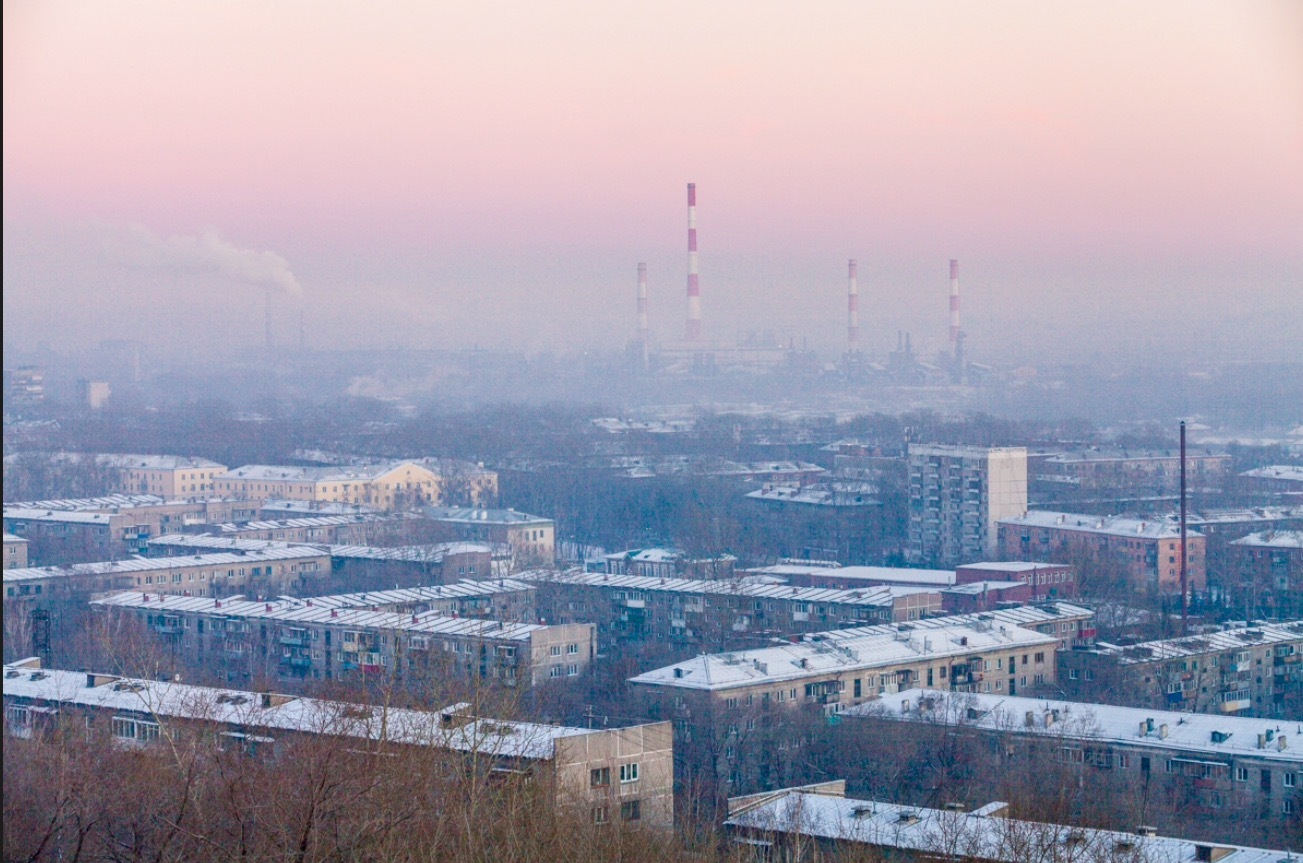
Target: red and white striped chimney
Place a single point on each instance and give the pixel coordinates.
(853, 309)
(954, 308)
(694, 289)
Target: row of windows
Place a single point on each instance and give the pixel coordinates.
(630, 810)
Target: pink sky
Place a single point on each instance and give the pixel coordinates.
(436, 152)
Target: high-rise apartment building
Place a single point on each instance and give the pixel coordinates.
(957, 495)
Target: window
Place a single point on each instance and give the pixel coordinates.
(572, 670)
(1241, 774)
(1121, 761)
(1289, 780)
(572, 649)
(556, 650)
(631, 810)
(600, 814)
(629, 772)
(554, 671)
(599, 778)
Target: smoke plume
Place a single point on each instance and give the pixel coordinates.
(207, 253)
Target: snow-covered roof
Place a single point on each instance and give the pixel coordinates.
(9, 537)
(813, 496)
(876, 647)
(432, 553)
(1011, 566)
(403, 595)
(983, 834)
(1201, 734)
(170, 700)
(154, 564)
(308, 611)
(663, 555)
(474, 515)
(1272, 539)
(1289, 472)
(1237, 638)
(1112, 525)
(59, 515)
(108, 502)
(869, 596)
(125, 461)
(891, 574)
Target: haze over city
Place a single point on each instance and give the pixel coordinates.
(1114, 177)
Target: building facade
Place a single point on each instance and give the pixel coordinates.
(957, 496)
(388, 486)
(1266, 573)
(530, 539)
(1244, 671)
(15, 552)
(322, 639)
(168, 476)
(1145, 552)
(608, 775)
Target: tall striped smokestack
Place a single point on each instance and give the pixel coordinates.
(642, 312)
(694, 289)
(954, 308)
(853, 309)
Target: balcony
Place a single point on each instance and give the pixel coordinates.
(296, 661)
(294, 640)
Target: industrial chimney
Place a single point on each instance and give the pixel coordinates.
(694, 290)
(853, 310)
(954, 309)
(642, 313)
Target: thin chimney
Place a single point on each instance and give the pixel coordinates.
(694, 289)
(1185, 592)
(642, 313)
(954, 308)
(853, 309)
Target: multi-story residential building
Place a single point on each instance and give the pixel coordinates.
(505, 599)
(353, 529)
(669, 563)
(1135, 472)
(427, 564)
(1266, 573)
(957, 496)
(819, 822)
(742, 717)
(711, 612)
(169, 476)
(608, 774)
(93, 529)
(15, 551)
(390, 485)
(1282, 479)
(1147, 552)
(271, 571)
(1046, 580)
(293, 638)
(832, 575)
(1248, 671)
(837, 520)
(530, 539)
(1218, 768)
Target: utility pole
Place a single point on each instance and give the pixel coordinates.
(1185, 596)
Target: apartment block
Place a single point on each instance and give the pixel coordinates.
(319, 639)
(169, 476)
(530, 539)
(94, 529)
(389, 485)
(1266, 570)
(711, 611)
(353, 529)
(1147, 552)
(15, 552)
(1212, 767)
(957, 496)
(1149, 472)
(669, 563)
(607, 775)
(819, 822)
(1252, 670)
(271, 571)
(742, 717)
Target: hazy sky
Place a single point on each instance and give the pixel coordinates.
(477, 172)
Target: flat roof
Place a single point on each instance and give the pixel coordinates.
(1236, 638)
(869, 596)
(127, 461)
(985, 833)
(457, 590)
(884, 646)
(153, 564)
(432, 553)
(106, 502)
(1272, 539)
(1079, 721)
(1290, 472)
(171, 700)
(894, 574)
(1013, 566)
(307, 611)
(1112, 525)
(475, 515)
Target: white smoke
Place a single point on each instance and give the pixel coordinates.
(140, 247)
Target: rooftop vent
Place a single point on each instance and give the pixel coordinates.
(907, 817)
(1146, 830)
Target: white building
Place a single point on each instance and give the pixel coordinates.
(957, 495)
